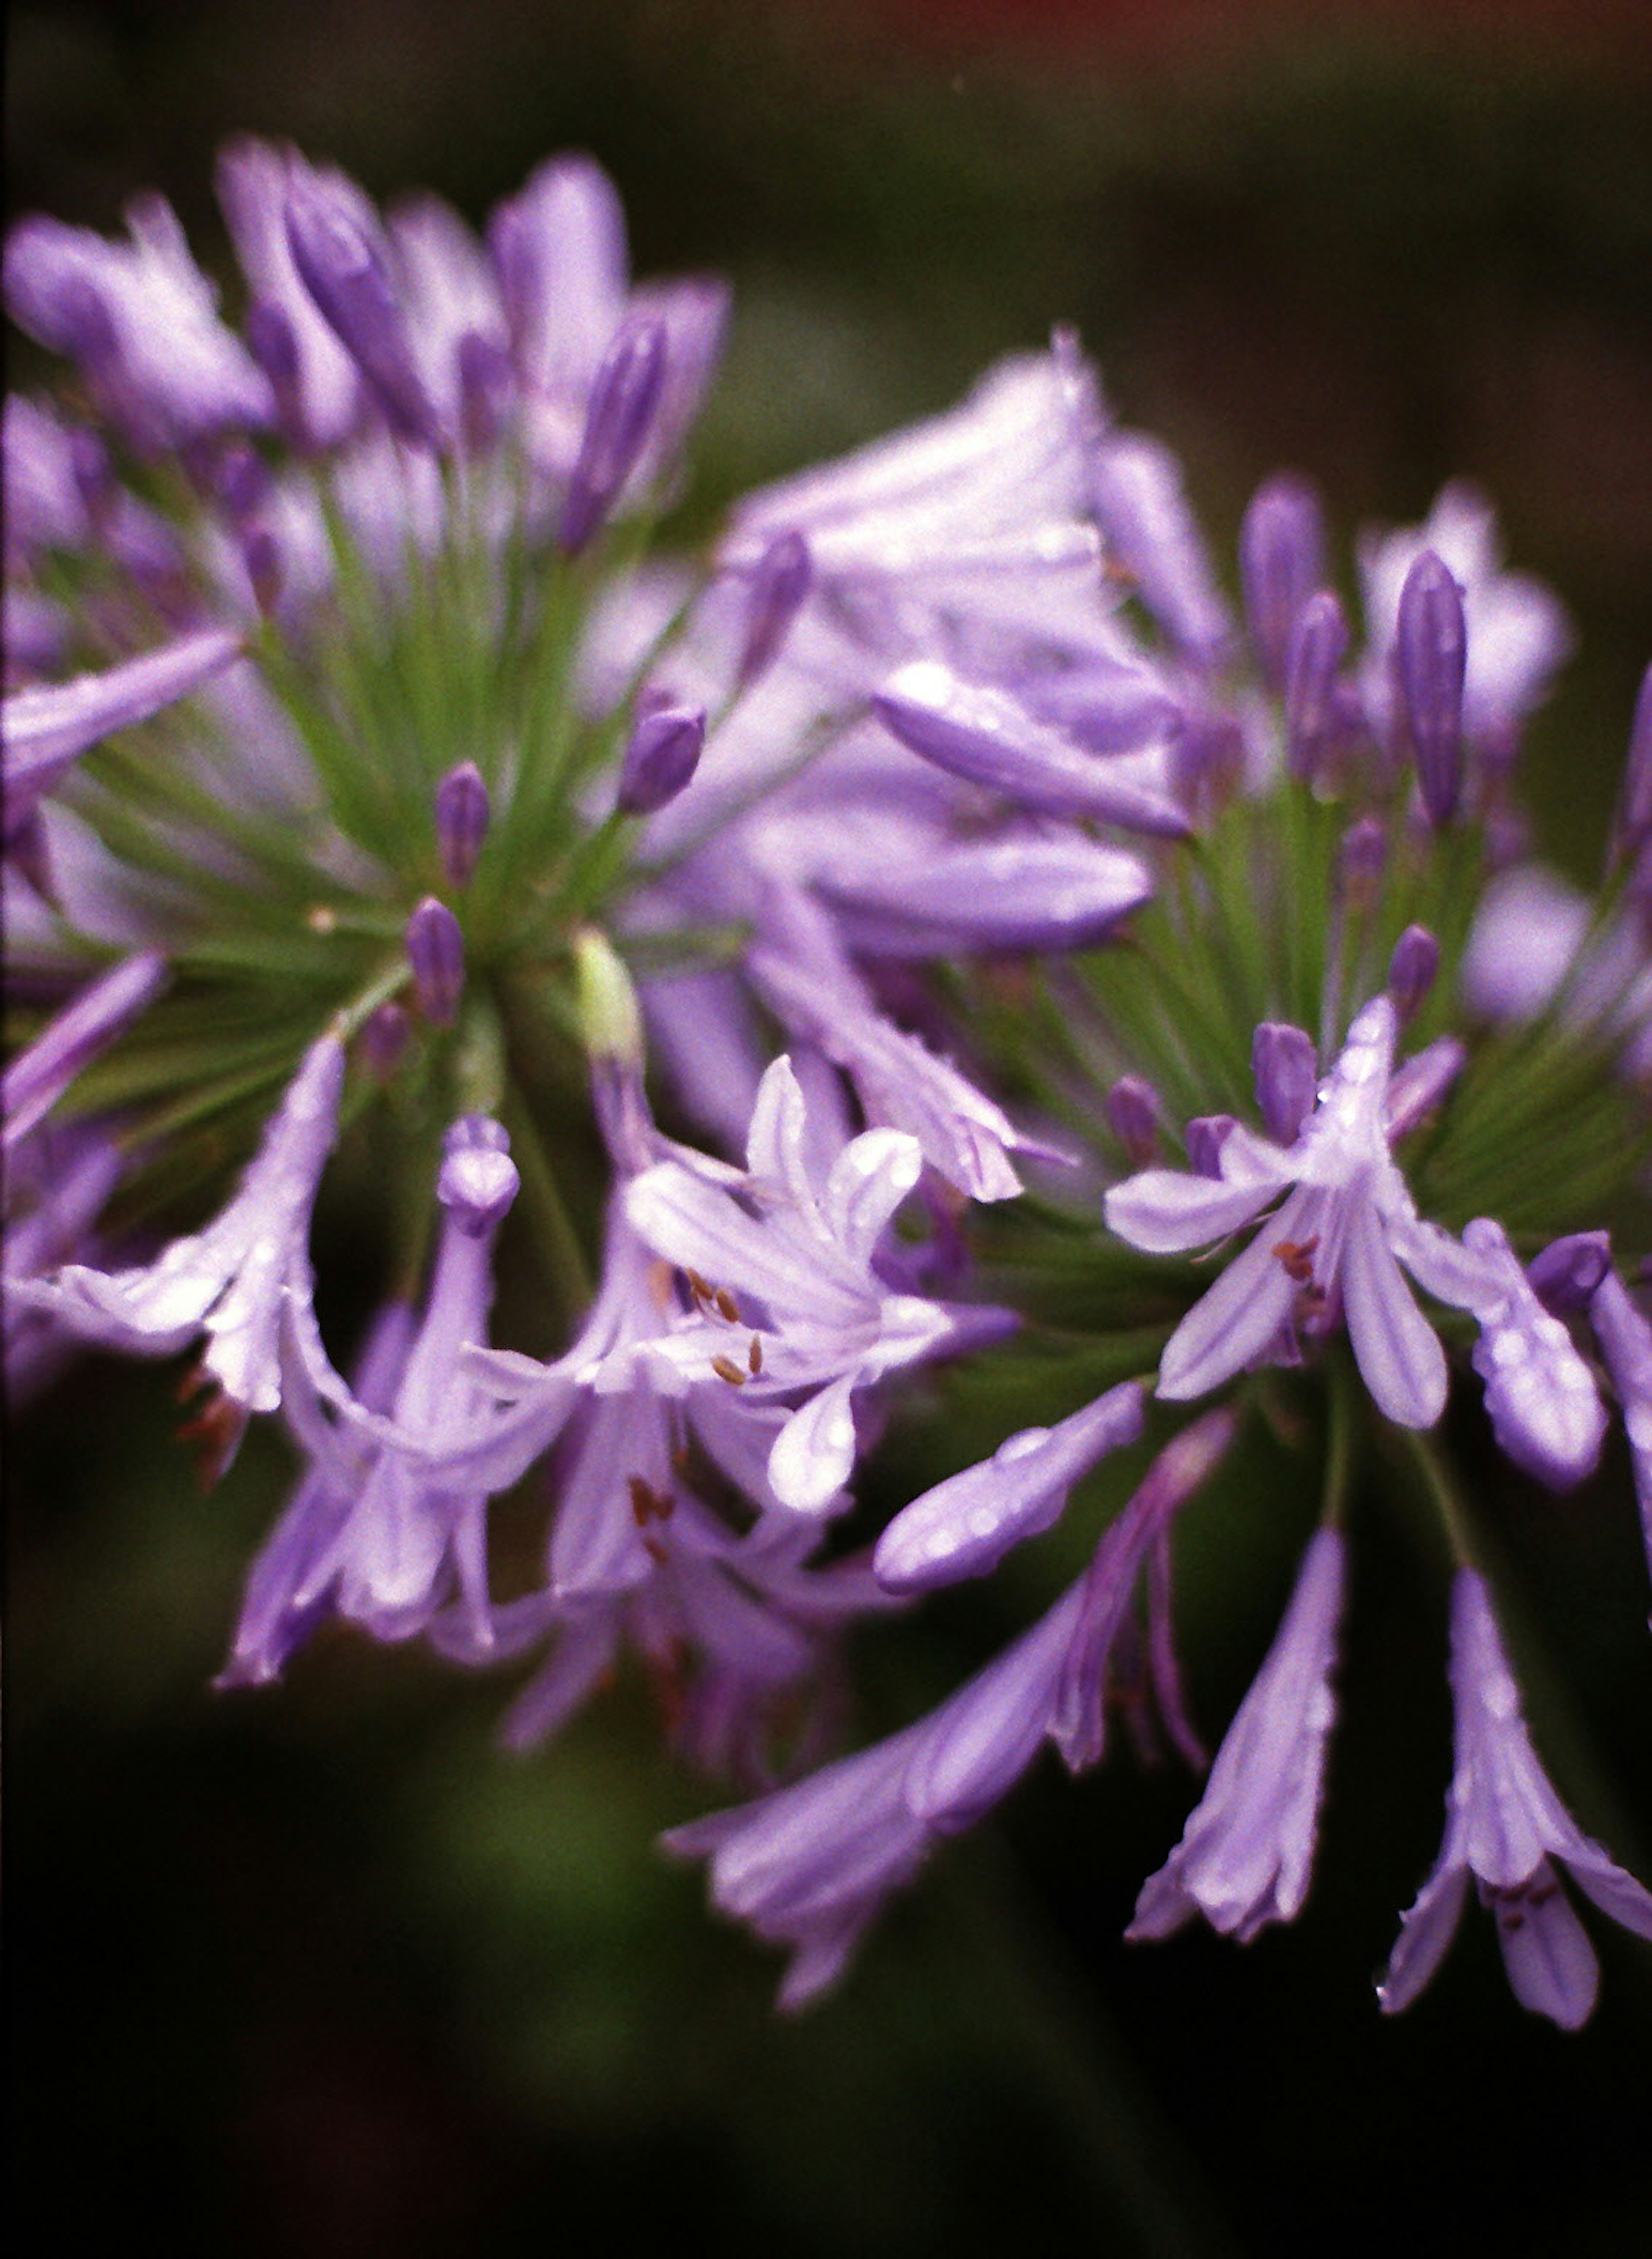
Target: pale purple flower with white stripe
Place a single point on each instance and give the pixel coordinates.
(797, 1253)
(48, 726)
(1508, 1829)
(966, 1525)
(811, 1865)
(1347, 1225)
(415, 1523)
(1246, 1855)
(1545, 1409)
(229, 1279)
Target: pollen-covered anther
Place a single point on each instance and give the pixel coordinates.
(1297, 1258)
(726, 1369)
(216, 1430)
(647, 1503)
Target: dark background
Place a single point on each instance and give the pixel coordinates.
(319, 1970)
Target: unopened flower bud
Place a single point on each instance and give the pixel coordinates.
(1362, 858)
(610, 1019)
(1431, 647)
(462, 812)
(1286, 1072)
(484, 388)
(478, 1180)
(384, 1040)
(623, 400)
(778, 586)
(663, 754)
(1281, 558)
(261, 556)
(273, 346)
(1564, 1276)
(1133, 1113)
(436, 951)
(1411, 969)
(344, 275)
(241, 481)
(1205, 1136)
(1312, 713)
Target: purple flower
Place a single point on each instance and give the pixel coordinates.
(1336, 1238)
(969, 531)
(1430, 653)
(966, 1525)
(47, 727)
(142, 320)
(462, 816)
(228, 1280)
(794, 1253)
(811, 1865)
(1506, 1827)
(1247, 1853)
(987, 738)
(416, 1521)
(38, 1077)
(1545, 1409)
(1281, 562)
(1517, 632)
(1144, 513)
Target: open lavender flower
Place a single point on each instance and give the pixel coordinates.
(391, 820)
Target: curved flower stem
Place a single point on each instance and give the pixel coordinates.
(559, 1241)
(1340, 1426)
(1442, 1491)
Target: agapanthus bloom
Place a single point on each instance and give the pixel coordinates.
(391, 817)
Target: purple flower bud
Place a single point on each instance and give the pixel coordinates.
(663, 754)
(273, 344)
(384, 1040)
(1362, 861)
(240, 480)
(1564, 1276)
(436, 951)
(625, 398)
(1286, 1072)
(261, 556)
(29, 850)
(477, 1179)
(38, 1077)
(484, 388)
(1205, 1136)
(1411, 969)
(346, 276)
(93, 478)
(778, 586)
(1632, 829)
(1312, 708)
(462, 811)
(1431, 654)
(1281, 554)
(1133, 1113)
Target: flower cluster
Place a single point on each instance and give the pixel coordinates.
(379, 797)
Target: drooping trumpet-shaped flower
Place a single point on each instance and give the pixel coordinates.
(1507, 1830)
(1247, 1853)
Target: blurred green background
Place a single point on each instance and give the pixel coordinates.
(319, 1970)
